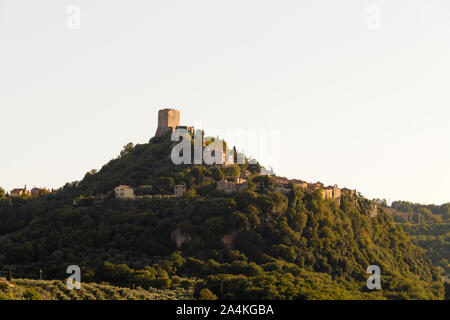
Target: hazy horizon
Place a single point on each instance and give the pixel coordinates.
(357, 90)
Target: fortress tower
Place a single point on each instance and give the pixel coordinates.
(168, 120)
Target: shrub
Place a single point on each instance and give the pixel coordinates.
(32, 294)
(206, 294)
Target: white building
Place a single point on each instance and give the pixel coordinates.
(124, 192)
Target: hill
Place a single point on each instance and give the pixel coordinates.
(253, 244)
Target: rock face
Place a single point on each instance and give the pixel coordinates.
(180, 237)
(228, 239)
(373, 211)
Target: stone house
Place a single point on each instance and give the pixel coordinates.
(281, 181)
(124, 192)
(348, 192)
(301, 183)
(232, 185)
(327, 192)
(19, 192)
(332, 192)
(315, 186)
(38, 191)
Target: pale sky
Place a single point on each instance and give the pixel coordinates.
(358, 90)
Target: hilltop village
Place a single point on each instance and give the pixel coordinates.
(169, 121)
(142, 220)
(24, 192)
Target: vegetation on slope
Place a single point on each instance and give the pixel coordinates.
(429, 228)
(26, 289)
(294, 246)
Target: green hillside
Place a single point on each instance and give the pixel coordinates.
(429, 228)
(255, 244)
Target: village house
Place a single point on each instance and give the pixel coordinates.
(127, 192)
(281, 181)
(282, 185)
(302, 184)
(336, 192)
(327, 193)
(19, 192)
(124, 192)
(332, 192)
(38, 191)
(348, 192)
(315, 186)
(232, 185)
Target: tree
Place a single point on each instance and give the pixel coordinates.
(233, 170)
(9, 277)
(217, 174)
(127, 149)
(198, 174)
(446, 215)
(189, 194)
(32, 294)
(238, 220)
(447, 291)
(381, 202)
(2, 192)
(254, 168)
(165, 184)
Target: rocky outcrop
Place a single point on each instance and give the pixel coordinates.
(180, 237)
(228, 239)
(373, 211)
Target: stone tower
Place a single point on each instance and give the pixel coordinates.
(168, 120)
